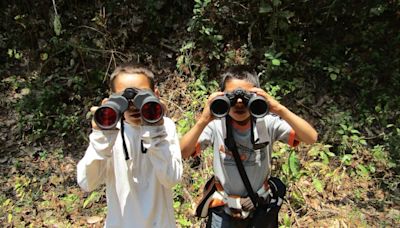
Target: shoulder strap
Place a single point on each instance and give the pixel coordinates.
(230, 143)
(123, 139)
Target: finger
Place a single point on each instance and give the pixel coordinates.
(255, 89)
(104, 101)
(249, 204)
(248, 207)
(259, 92)
(246, 203)
(214, 95)
(93, 109)
(94, 125)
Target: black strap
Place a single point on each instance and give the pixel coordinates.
(144, 150)
(123, 139)
(230, 143)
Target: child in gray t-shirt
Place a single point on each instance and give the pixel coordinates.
(253, 136)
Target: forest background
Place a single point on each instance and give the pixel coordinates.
(333, 62)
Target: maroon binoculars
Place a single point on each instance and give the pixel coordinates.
(108, 114)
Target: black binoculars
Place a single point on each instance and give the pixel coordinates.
(257, 105)
(108, 114)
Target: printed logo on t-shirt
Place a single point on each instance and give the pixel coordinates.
(248, 156)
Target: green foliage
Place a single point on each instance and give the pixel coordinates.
(291, 168)
(199, 89)
(57, 25)
(350, 138)
(13, 53)
(52, 104)
(332, 62)
(206, 34)
(184, 61)
(319, 186)
(91, 199)
(69, 202)
(321, 152)
(294, 165)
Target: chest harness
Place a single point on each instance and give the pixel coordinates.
(270, 194)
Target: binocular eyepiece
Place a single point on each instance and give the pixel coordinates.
(108, 114)
(257, 105)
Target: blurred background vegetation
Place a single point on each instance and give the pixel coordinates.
(335, 63)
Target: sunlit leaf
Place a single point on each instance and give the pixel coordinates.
(10, 53)
(294, 164)
(57, 25)
(346, 159)
(285, 169)
(9, 218)
(44, 56)
(313, 151)
(362, 170)
(25, 91)
(94, 196)
(276, 62)
(325, 158)
(330, 154)
(318, 185)
(17, 55)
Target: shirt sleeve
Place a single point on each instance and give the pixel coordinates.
(282, 131)
(91, 168)
(163, 148)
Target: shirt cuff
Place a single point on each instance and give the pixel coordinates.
(197, 150)
(292, 139)
(149, 131)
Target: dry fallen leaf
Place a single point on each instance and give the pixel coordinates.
(93, 219)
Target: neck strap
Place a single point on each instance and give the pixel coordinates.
(231, 145)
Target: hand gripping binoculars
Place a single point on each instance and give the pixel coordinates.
(257, 105)
(150, 108)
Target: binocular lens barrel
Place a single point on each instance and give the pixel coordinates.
(258, 107)
(150, 107)
(106, 117)
(108, 114)
(152, 112)
(220, 106)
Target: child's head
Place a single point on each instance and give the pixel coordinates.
(239, 77)
(132, 76)
(241, 72)
(128, 68)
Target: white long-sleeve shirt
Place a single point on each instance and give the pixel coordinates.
(139, 190)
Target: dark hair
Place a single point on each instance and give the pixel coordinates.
(130, 68)
(241, 72)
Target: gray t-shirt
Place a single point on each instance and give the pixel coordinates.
(257, 162)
